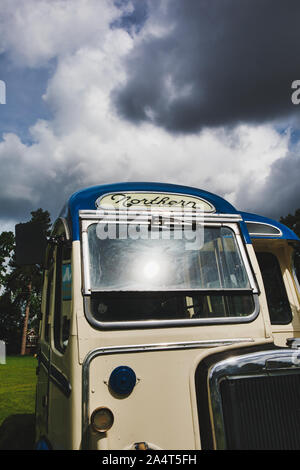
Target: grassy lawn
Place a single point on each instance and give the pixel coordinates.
(17, 402)
(17, 386)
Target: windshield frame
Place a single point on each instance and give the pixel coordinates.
(296, 246)
(230, 221)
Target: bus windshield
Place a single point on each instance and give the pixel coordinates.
(179, 273)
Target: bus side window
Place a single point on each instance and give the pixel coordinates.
(277, 299)
(63, 291)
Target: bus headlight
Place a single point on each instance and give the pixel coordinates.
(102, 419)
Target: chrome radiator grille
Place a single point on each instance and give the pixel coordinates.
(249, 398)
(262, 412)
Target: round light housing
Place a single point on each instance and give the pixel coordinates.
(102, 419)
(122, 380)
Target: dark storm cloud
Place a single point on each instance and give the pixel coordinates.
(15, 206)
(280, 194)
(220, 63)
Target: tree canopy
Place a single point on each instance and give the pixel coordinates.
(292, 221)
(7, 241)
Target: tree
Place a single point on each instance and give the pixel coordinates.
(11, 323)
(292, 221)
(22, 292)
(7, 241)
(9, 314)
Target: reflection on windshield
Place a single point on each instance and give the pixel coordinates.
(166, 263)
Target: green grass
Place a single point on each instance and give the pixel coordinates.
(17, 386)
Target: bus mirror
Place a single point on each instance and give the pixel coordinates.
(31, 244)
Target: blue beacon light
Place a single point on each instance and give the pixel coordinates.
(122, 380)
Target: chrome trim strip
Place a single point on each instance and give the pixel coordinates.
(138, 348)
(56, 376)
(65, 225)
(281, 361)
(191, 291)
(245, 258)
(86, 262)
(168, 323)
(178, 215)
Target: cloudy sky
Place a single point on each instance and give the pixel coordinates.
(193, 92)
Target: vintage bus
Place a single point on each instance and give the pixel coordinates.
(170, 320)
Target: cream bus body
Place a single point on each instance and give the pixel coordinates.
(126, 367)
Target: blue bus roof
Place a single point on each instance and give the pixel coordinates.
(85, 200)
